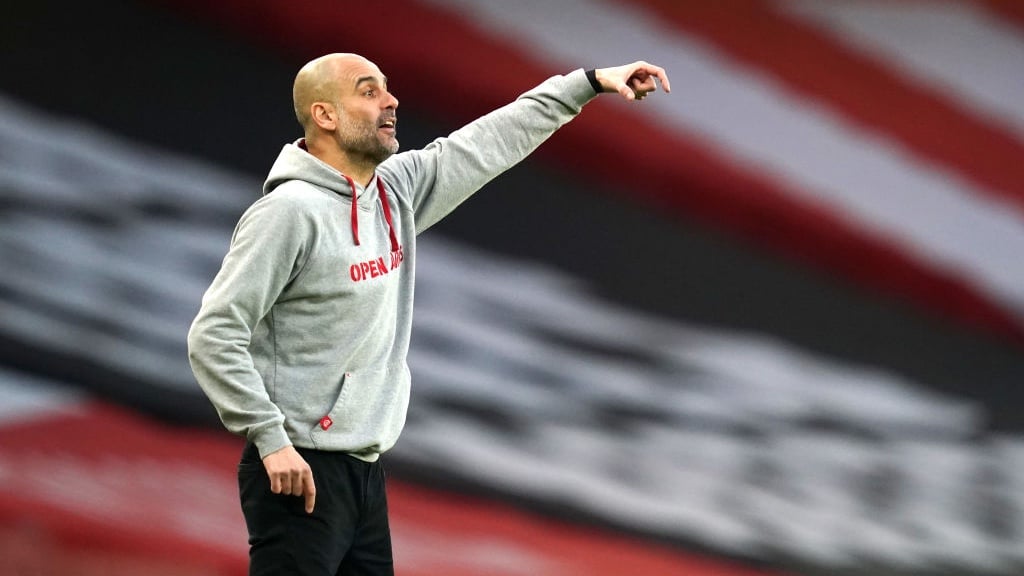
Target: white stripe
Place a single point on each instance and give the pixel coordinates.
(24, 398)
(821, 157)
(952, 46)
(712, 428)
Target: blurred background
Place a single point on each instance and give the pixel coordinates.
(772, 323)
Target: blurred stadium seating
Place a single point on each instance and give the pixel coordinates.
(770, 323)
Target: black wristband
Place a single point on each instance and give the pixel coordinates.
(592, 77)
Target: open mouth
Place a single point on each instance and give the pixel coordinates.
(387, 125)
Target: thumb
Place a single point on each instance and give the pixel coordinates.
(625, 91)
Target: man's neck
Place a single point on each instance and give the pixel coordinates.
(358, 169)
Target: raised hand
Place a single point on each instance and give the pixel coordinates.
(633, 81)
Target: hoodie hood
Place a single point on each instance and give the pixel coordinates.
(295, 163)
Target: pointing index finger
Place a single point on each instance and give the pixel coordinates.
(660, 73)
(309, 490)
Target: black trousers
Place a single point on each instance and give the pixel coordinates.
(346, 535)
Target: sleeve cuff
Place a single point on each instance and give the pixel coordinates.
(592, 77)
(271, 440)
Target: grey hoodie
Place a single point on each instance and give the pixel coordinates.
(303, 335)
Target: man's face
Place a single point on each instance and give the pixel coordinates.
(367, 122)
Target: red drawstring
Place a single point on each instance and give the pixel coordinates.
(387, 212)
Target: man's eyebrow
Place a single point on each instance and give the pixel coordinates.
(362, 79)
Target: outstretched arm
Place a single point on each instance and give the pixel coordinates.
(633, 81)
(442, 175)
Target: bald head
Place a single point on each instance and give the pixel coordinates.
(320, 81)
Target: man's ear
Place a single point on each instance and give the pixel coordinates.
(324, 115)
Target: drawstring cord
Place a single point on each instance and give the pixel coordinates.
(387, 212)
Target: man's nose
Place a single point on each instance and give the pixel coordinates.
(391, 101)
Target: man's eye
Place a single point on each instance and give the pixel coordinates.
(370, 93)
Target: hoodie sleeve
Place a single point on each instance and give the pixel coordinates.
(270, 244)
(449, 170)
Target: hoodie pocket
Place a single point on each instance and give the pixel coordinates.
(334, 417)
(368, 414)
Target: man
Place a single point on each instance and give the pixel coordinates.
(302, 337)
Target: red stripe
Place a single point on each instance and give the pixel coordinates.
(684, 176)
(1010, 10)
(441, 58)
(107, 443)
(810, 62)
(574, 550)
(472, 73)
